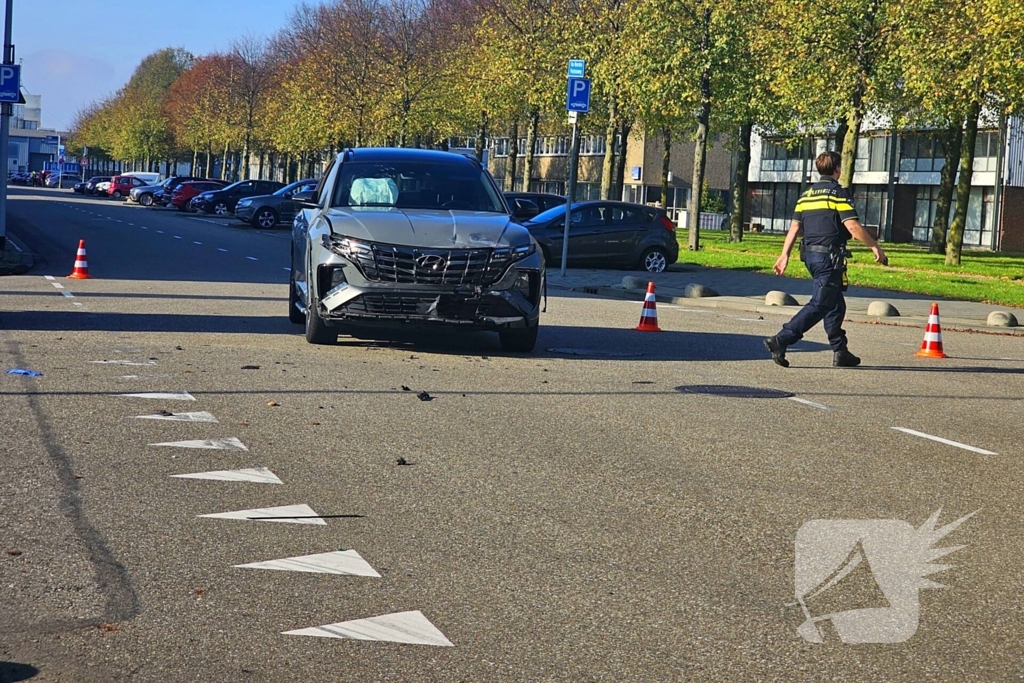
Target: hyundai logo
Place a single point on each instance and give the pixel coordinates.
(431, 262)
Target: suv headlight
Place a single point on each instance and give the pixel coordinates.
(244, 202)
(349, 248)
(514, 254)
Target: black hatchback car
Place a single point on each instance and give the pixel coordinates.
(222, 202)
(266, 211)
(542, 200)
(605, 233)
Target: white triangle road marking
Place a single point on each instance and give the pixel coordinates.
(164, 395)
(401, 627)
(228, 444)
(303, 513)
(260, 475)
(201, 416)
(338, 562)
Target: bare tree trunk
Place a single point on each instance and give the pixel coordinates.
(531, 144)
(841, 129)
(513, 153)
(666, 162)
(260, 173)
(700, 149)
(954, 146)
(620, 160)
(246, 152)
(481, 135)
(195, 162)
(224, 164)
(849, 153)
(608, 165)
(955, 243)
(739, 183)
(208, 171)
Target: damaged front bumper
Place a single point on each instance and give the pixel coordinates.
(351, 298)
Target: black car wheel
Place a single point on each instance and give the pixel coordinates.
(146, 199)
(519, 341)
(317, 331)
(265, 218)
(294, 314)
(654, 260)
(220, 208)
(117, 194)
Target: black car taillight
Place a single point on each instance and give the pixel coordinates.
(669, 225)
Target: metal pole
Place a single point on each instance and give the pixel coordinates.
(571, 195)
(997, 204)
(5, 128)
(60, 164)
(890, 188)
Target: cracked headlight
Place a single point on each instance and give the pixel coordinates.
(349, 248)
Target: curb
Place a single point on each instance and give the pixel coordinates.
(742, 304)
(16, 259)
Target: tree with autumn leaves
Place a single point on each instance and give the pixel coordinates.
(415, 72)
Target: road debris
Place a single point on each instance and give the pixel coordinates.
(424, 396)
(24, 371)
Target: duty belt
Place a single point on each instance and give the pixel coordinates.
(821, 249)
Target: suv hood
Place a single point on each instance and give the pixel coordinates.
(425, 228)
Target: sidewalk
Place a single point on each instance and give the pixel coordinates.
(15, 259)
(743, 291)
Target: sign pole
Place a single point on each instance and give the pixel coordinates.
(5, 129)
(571, 196)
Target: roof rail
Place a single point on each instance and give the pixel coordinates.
(346, 154)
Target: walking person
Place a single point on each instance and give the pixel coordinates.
(827, 218)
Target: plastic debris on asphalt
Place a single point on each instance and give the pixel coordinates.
(23, 371)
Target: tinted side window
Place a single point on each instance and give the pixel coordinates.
(625, 215)
(589, 217)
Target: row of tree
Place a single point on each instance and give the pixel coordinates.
(416, 72)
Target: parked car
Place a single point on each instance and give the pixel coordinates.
(163, 196)
(62, 179)
(542, 201)
(122, 185)
(19, 178)
(102, 188)
(223, 201)
(412, 238)
(183, 194)
(605, 233)
(266, 211)
(143, 194)
(91, 183)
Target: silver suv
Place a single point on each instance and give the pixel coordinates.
(408, 237)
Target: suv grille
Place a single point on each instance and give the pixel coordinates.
(410, 265)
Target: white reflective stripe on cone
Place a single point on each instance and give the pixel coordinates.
(933, 320)
(933, 336)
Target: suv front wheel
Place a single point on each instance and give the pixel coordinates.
(317, 331)
(519, 341)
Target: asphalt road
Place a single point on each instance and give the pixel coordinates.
(563, 516)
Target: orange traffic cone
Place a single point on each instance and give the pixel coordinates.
(649, 314)
(931, 347)
(81, 271)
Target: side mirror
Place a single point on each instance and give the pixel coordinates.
(306, 199)
(524, 209)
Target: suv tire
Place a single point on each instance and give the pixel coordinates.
(117, 194)
(317, 331)
(220, 208)
(519, 341)
(146, 199)
(294, 314)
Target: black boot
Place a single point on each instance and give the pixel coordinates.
(777, 350)
(844, 359)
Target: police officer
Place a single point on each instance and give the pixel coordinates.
(826, 216)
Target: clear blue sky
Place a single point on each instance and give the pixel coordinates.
(77, 51)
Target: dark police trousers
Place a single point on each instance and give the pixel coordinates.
(827, 303)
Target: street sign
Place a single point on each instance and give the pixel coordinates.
(51, 140)
(85, 162)
(10, 83)
(577, 68)
(573, 117)
(578, 95)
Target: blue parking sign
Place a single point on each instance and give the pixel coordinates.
(578, 95)
(10, 83)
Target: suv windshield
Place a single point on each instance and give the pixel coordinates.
(416, 185)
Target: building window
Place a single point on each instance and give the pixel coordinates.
(772, 204)
(784, 155)
(980, 215)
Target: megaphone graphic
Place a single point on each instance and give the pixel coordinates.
(850, 586)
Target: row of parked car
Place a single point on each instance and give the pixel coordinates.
(260, 203)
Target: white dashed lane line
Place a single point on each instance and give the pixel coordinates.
(809, 403)
(50, 277)
(177, 237)
(288, 269)
(252, 258)
(160, 232)
(224, 250)
(957, 444)
(199, 243)
(57, 285)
